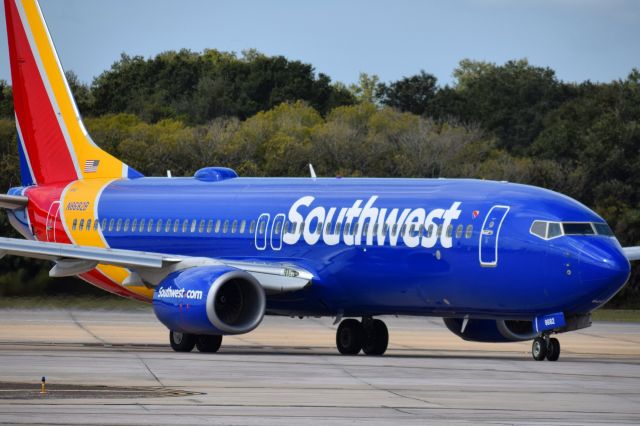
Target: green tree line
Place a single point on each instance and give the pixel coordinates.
(270, 116)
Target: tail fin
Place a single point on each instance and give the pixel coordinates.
(53, 142)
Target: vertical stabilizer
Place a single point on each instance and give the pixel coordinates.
(54, 145)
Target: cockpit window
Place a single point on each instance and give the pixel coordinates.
(548, 230)
(554, 230)
(577, 228)
(539, 228)
(603, 229)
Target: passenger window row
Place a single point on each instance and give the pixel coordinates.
(240, 227)
(164, 225)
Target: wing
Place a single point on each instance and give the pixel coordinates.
(632, 253)
(148, 268)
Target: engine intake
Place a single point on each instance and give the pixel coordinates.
(210, 300)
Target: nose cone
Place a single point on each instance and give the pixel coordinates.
(604, 269)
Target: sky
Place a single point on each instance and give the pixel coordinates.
(580, 39)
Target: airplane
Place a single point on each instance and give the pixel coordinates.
(215, 252)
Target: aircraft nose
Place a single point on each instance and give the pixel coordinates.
(603, 268)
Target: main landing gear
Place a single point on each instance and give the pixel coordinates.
(183, 342)
(371, 336)
(545, 347)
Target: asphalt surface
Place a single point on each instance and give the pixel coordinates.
(111, 367)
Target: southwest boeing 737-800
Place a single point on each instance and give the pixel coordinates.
(215, 252)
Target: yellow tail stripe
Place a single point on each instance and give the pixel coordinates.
(83, 146)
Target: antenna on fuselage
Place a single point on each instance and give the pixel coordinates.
(313, 172)
(169, 173)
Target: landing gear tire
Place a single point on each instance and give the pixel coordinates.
(208, 343)
(539, 349)
(376, 339)
(553, 349)
(350, 337)
(181, 342)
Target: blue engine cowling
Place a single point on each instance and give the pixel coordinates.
(210, 300)
(488, 330)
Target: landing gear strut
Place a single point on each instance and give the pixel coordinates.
(371, 336)
(545, 347)
(184, 342)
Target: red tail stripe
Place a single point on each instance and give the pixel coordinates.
(43, 138)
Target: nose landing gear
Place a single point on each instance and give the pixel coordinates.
(545, 347)
(371, 336)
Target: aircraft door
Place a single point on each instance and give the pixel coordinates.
(261, 231)
(52, 218)
(489, 236)
(276, 231)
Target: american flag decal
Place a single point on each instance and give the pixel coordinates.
(91, 166)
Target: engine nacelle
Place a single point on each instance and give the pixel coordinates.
(486, 330)
(210, 300)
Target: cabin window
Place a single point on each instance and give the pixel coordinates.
(252, 227)
(95, 225)
(176, 225)
(234, 226)
(449, 230)
(141, 225)
(209, 226)
(150, 225)
(403, 230)
(194, 223)
(262, 225)
(225, 227)
(354, 229)
(134, 225)
(394, 229)
(217, 226)
(185, 225)
(119, 225)
(111, 223)
(201, 226)
(301, 227)
(81, 227)
(459, 231)
(126, 225)
(327, 228)
(375, 228)
(167, 226)
(104, 224)
(385, 229)
(469, 231)
(159, 225)
(243, 225)
(294, 227)
(74, 225)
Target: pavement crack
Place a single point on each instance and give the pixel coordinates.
(85, 329)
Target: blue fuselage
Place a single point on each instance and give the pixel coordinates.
(425, 247)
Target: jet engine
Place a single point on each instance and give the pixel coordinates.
(212, 300)
(486, 330)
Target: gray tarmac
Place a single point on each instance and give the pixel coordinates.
(114, 367)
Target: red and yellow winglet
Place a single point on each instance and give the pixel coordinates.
(54, 144)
